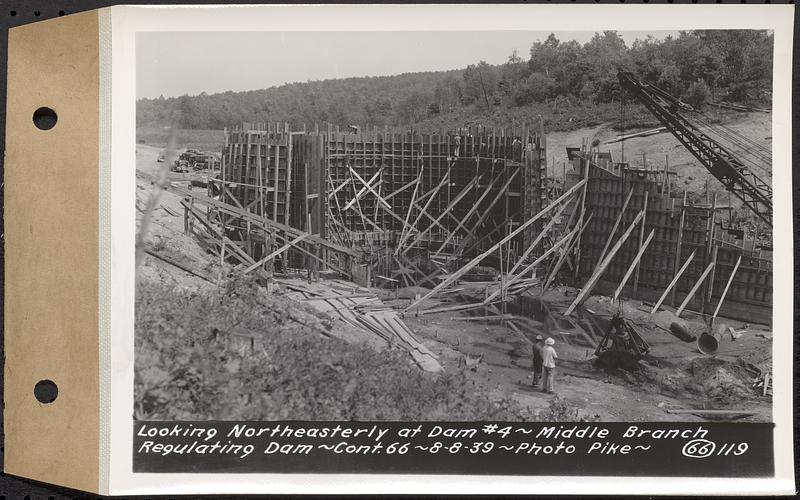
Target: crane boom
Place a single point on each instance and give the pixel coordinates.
(719, 161)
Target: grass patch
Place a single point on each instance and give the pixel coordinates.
(561, 114)
(203, 140)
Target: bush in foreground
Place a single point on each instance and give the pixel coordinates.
(187, 369)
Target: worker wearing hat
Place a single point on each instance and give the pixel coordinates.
(538, 345)
(549, 365)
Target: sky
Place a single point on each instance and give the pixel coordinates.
(177, 63)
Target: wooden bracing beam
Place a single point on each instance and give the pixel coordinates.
(498, 228)
(456, 275)
(365, 219)
(672, 283)
(400, 190)
(177, 264)
(276, 253)
(679, 242)
(694, 289)
(240, 254)
(411, 206)
(472, 210)
(227, 191)
(424, 210)
(337, 224)
(614, 228)
(446, 211)
(589, 286)
(339, 187)
(363, 190)
(425, 277)
(368, 185)
(324, 263)
(565, 252)
(538, 238)
(641, 237)
(727, 285)
(258, 219)
(488, 210)
(634, 264)
(529, 267)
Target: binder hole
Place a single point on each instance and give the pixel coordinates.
(13, 13)
(44, 118)
(61, 12)
(45, 391)
(37, 13)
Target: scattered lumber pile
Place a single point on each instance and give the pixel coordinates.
(362, 309)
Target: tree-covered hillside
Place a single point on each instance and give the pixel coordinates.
(557, 80)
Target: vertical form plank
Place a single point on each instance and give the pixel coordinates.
(679, 245)
(275, 179)
(289, 147)
(585, 165)
(641, 237)
(710, 285)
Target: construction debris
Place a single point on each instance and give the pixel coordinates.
(358, 309)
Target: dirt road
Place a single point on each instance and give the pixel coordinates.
(166, 230)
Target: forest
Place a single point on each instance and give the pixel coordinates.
(568, 84)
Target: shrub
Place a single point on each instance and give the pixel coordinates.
(562, 410)
(698, 94)
(536, 88)
(185, 367)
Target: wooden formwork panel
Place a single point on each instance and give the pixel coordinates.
(393, 162)
(257, 172)
(534, 176)
(433, 191)
(672, 243)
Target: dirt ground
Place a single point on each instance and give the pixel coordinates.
(675, 375)
(165, 234)
(756, 126)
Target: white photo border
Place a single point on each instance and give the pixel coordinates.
(117, 372)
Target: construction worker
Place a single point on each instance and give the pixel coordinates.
(516, 149)
(549, 365)
(538, 345)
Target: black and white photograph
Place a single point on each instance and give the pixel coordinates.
(410, 248)
(456, 226)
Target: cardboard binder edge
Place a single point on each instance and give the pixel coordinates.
(51, 253)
